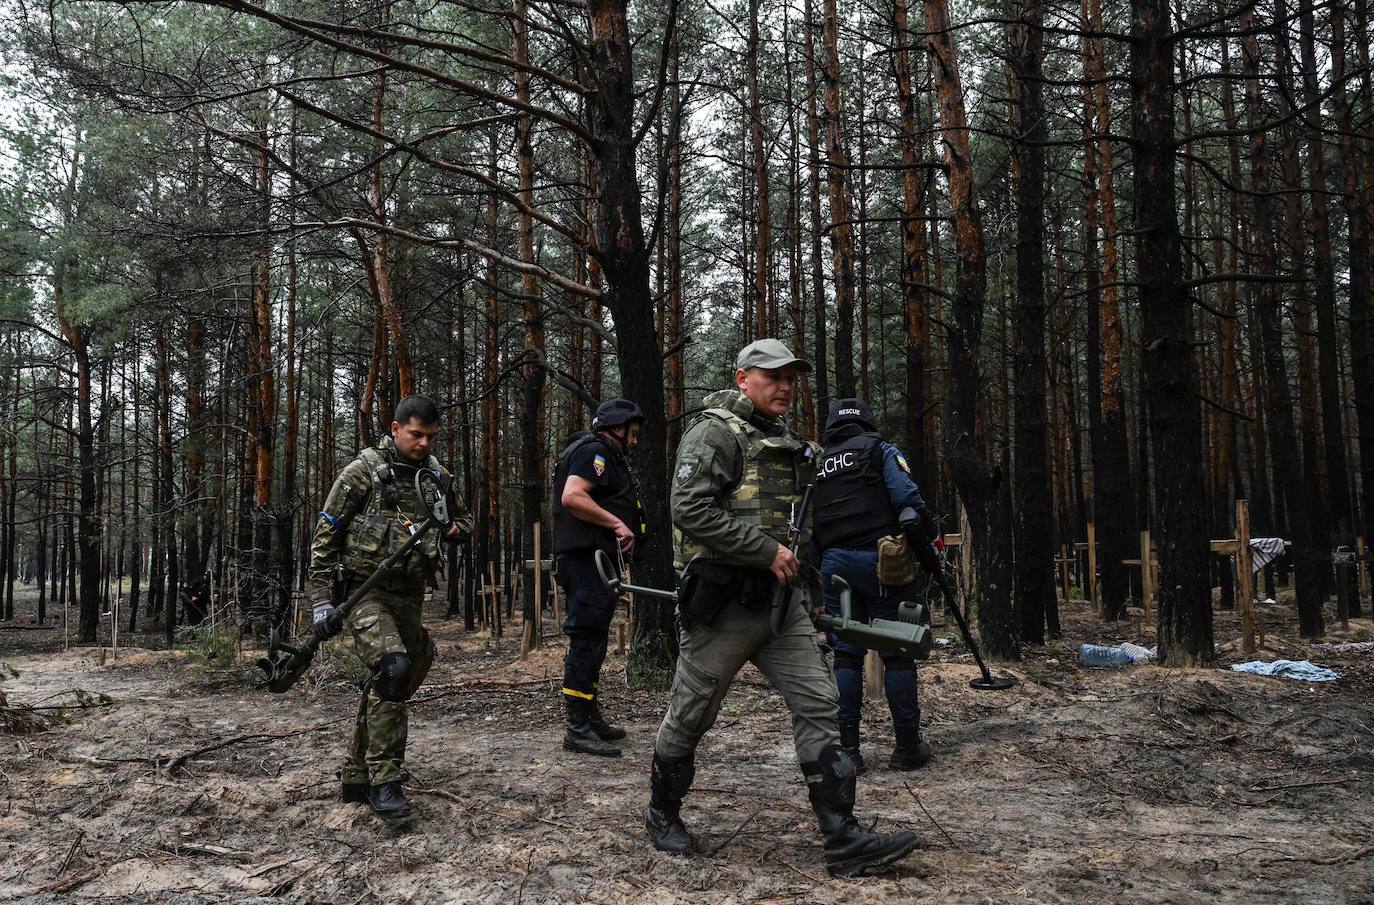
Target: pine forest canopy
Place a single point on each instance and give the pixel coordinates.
(1089, 264)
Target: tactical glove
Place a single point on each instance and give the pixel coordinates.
(326, 622)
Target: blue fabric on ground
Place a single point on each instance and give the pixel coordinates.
(1305, 670)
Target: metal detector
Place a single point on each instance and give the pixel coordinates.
(611, 579)
(286, 663)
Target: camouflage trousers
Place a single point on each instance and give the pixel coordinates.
(384, 622)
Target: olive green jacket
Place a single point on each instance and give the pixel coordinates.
(720, 507)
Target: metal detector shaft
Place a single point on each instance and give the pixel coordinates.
(606, 569)
(286, 663)
(987, 681)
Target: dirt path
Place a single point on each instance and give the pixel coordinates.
(1138, 785)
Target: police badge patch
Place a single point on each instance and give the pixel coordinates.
(599, 465)
(686, 467)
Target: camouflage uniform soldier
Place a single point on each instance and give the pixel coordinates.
(740, 472)
(371, 511)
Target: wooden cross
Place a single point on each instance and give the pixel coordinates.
(1239, 547)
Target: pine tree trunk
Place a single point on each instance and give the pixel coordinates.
(980, 484)
(624, 261)
(1184, 615)
(1034, 538)
(532, 461)
(915, 315)
(1265, 303)
(1324, 271)
(1113, 500)
(841, 208)
(1354, 163)
(813, 144)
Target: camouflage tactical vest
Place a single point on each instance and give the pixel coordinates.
(384, 523)
(774, 475)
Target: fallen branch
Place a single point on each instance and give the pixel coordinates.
(1302, 785)
(928, 815)
(80, 834)
(197, 848)
(180, 760)
(478, 806)
(58, 886)
(1329, 859)
(731, 838)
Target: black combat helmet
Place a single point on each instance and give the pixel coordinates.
(615, 412)
(846, 410)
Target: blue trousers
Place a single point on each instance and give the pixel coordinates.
(590, 611)
(868, 600)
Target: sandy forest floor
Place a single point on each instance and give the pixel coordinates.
(180, 783)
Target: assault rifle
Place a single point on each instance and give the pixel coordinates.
(796, 530)
(286, 663)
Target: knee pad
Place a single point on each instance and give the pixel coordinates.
(899, 664)
(849, 660)
(393, 678)
(834, 776)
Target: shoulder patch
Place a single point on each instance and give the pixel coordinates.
(599, 465)
(686, 467)
(901, 463)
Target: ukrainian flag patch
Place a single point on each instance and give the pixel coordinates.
(901, 463)
(599, 465)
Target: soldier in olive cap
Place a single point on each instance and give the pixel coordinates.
(370, 512)
(739, 476)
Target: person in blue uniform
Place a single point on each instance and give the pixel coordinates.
(862, 483)
(596, 506)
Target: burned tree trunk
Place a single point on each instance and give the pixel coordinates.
(1264, 300)
(1184, 596)
(813, 167)
(532, 464)
(841, 210)
(1033, 579)
(624, 259)
(978, 480)
(915, 316)
(1113, 500)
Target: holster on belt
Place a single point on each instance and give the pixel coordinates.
(709, 587)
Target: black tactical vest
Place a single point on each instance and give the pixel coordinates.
(620, 499)
(853, 508)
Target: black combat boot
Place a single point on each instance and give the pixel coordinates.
(580, 736)
(669, 778)
(607, 731)
(354, 792)
(910, 753)
(386, 800)
(850, 850)
(849, 741)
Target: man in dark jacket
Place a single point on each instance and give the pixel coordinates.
(595, 507)
(862, 483)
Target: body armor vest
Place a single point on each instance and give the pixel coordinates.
(773, 477)
(853, 508)
(386, 520)
(620, 499)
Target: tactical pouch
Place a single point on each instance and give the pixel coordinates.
(894, 561)
(706, 589)
(365, 545)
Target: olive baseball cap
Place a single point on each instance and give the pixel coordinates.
(769, 353)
